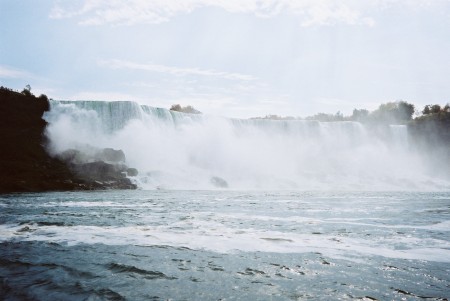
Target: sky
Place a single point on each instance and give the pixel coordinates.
(233, 58)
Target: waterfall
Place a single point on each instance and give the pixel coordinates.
(174, 150)
(399, 135)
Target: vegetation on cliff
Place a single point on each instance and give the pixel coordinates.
(187, 109)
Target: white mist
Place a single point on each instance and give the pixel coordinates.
(173, 150)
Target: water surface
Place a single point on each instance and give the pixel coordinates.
(216, 245)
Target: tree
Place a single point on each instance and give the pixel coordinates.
(176, 107)
(188, 109)
(393, 112)
(447, 108)
(323, 117)
(359, 115)
(435, 109)
(405, 110)
(426, 110)
(27, 91)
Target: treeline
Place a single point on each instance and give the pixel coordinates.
(399, 112)
(435, 110)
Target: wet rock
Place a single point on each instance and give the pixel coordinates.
(219, 182)
(101, 175)
(100, 171)
(91, 154)
(132, 172)
(72, 156)
(111, 155)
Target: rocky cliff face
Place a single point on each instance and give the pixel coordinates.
(26, 166)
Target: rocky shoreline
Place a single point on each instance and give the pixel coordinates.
(26, 166)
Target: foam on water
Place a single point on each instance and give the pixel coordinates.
(201, 235)
(336, 227)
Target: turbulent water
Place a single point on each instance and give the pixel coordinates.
(225, 245)
(173, 150)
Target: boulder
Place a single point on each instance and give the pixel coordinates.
(219, 182)
(73, 156)
(99, 171)
(111, 155)
(132, 172)
(91, 154)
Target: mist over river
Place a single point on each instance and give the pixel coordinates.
(225, 245)
(173, 150)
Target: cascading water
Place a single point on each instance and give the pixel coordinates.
(184, 151)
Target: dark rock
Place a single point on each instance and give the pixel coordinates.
(91, 154)
(132, 172)
(73, 156)
(99, 171)
(102, 175)
(111, 155)
(24, 163)
(219, 182)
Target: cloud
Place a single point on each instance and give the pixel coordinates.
(100, 95)
(310, 12)
(7, 72)
(121, 64)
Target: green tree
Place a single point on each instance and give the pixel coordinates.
(393, 112)
(435, 109)
(359, 115)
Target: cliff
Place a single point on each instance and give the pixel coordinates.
(25, 166)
